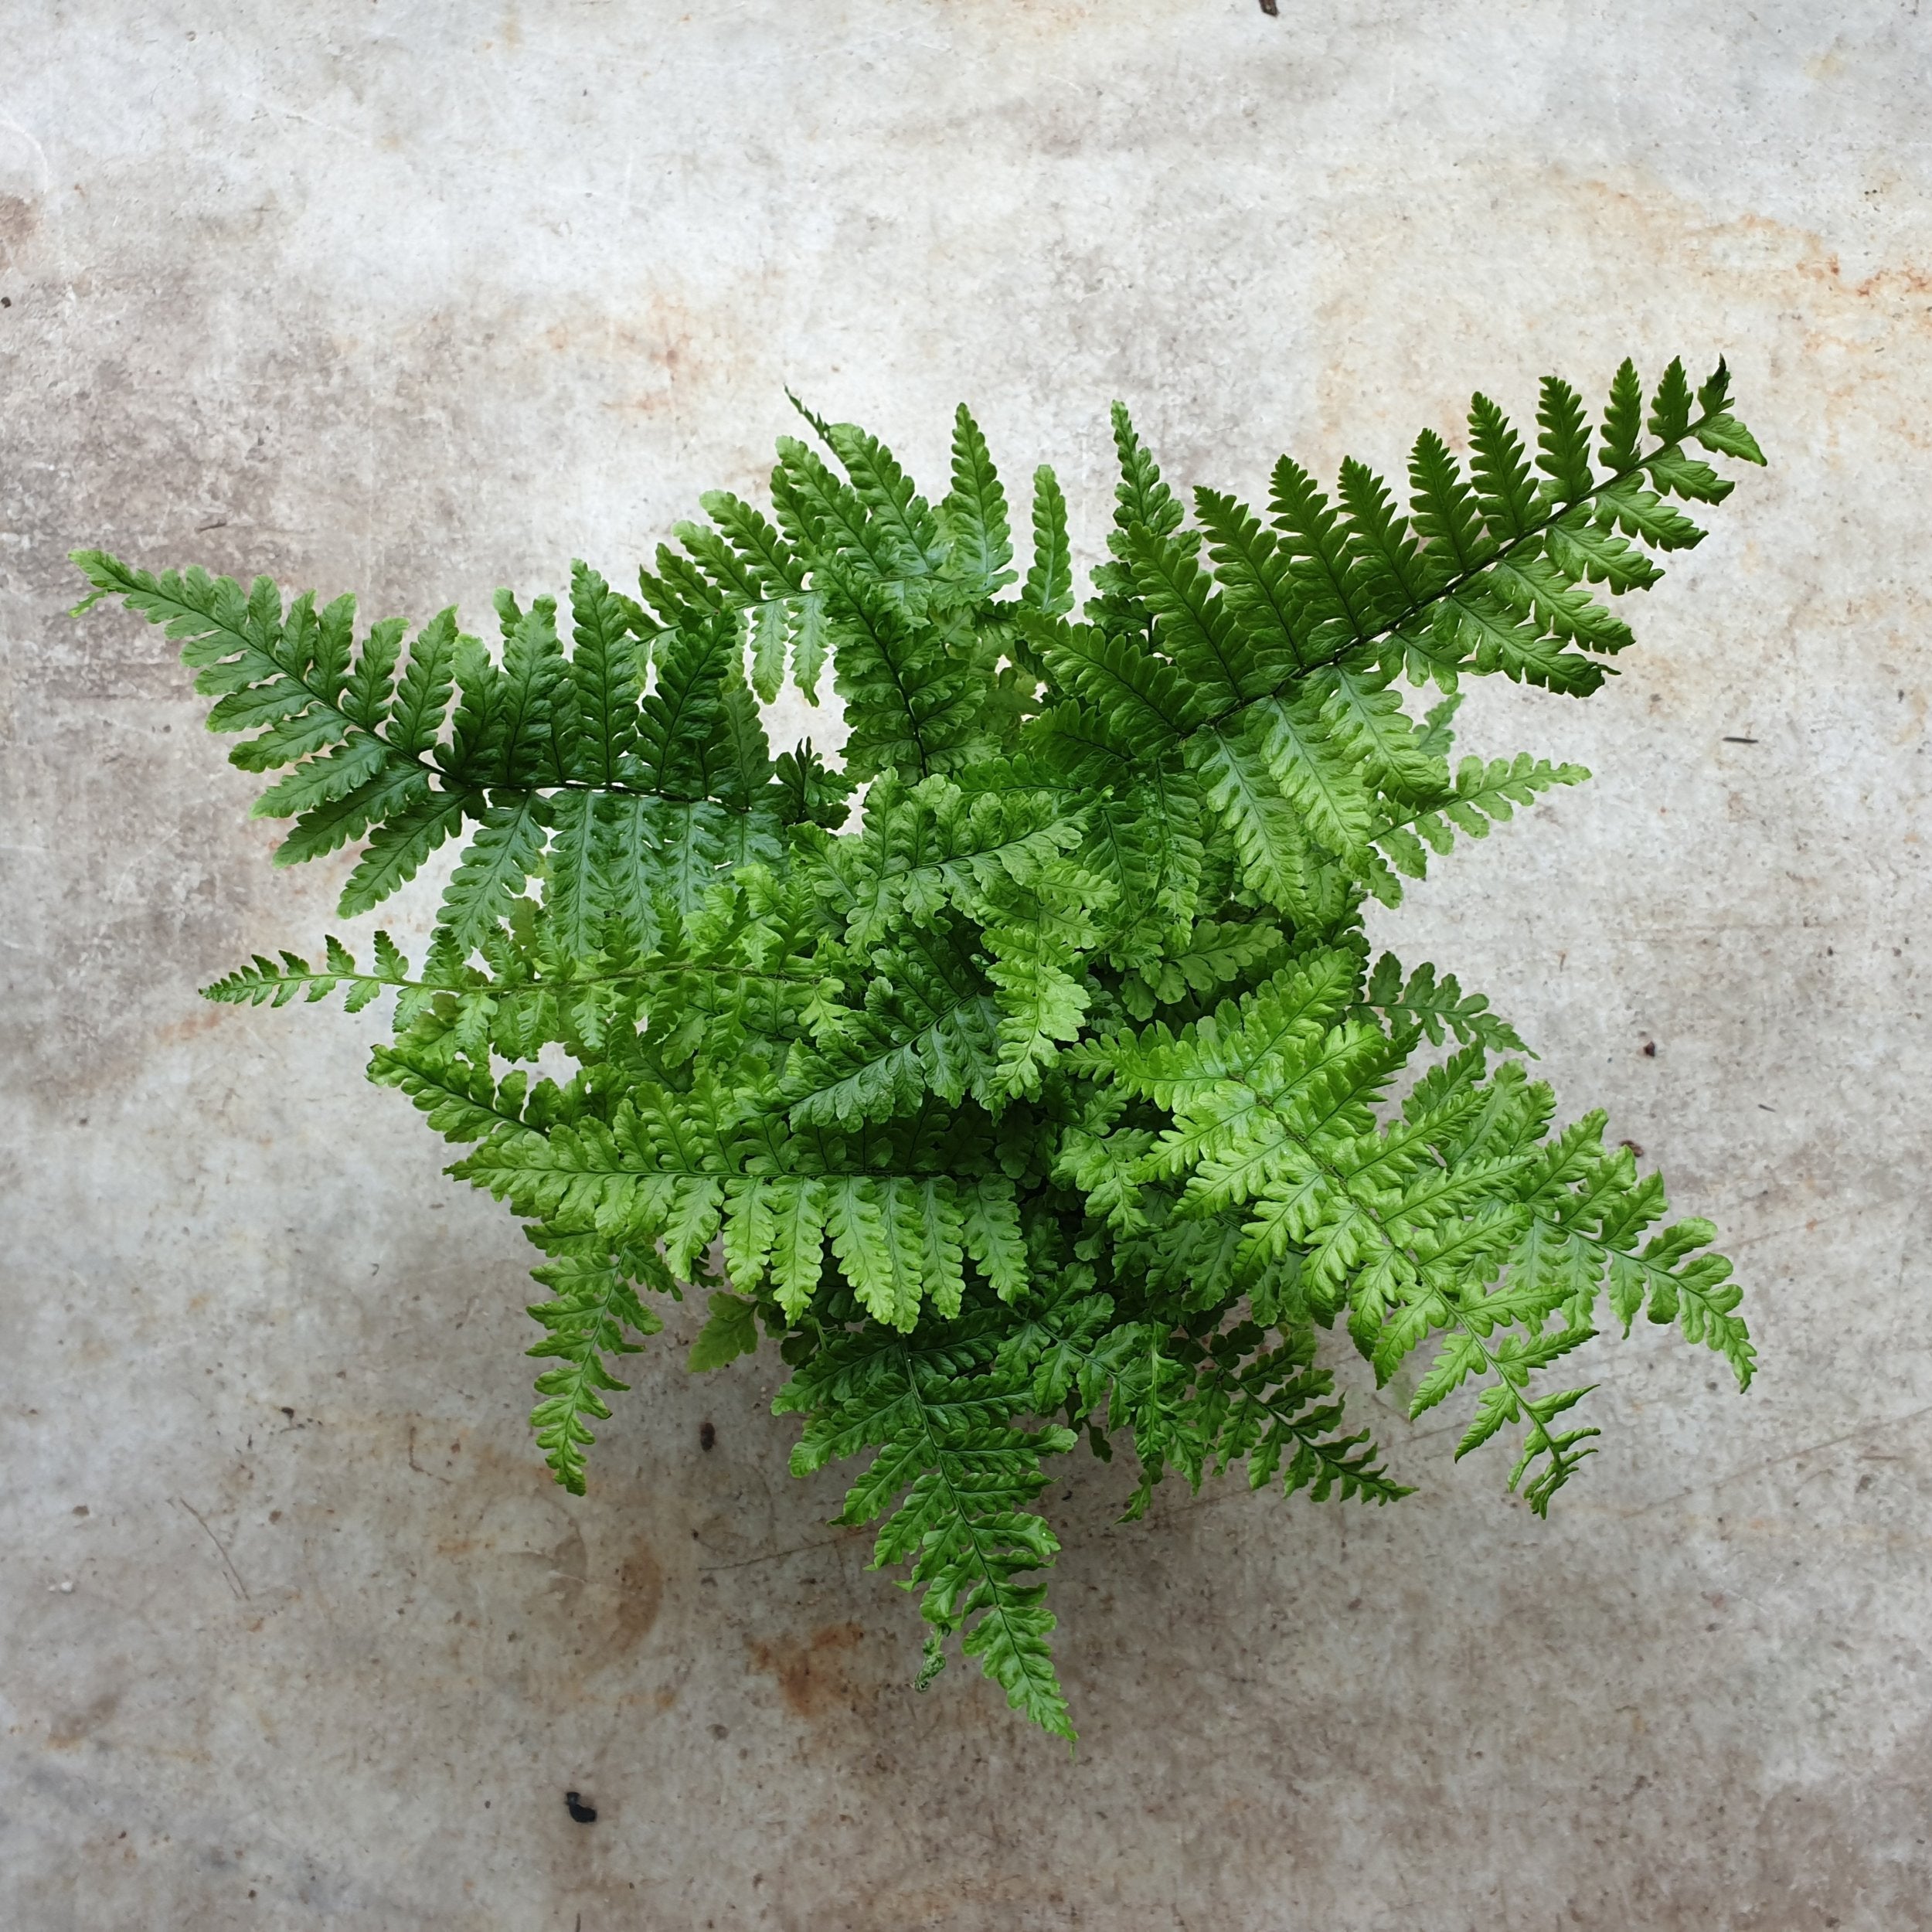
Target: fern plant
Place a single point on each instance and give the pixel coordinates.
(1044, 1093)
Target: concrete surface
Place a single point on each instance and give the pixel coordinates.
(419, 300)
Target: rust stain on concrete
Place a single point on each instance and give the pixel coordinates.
(814, 1673)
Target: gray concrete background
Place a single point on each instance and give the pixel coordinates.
(418, 300)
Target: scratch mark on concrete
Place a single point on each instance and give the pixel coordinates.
(772, 1557)
(227, 1561)
(1821, 1220)
(1789, 1455)
(416, 1466)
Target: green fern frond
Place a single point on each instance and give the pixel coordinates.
(592, 1313)
(956, 1475)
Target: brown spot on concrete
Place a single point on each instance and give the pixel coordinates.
(200, 1020)
(65, 1732)
(640, 1596)
(18, 218)
(814, 1678)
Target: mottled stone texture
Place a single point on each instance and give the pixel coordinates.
(420, 299)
